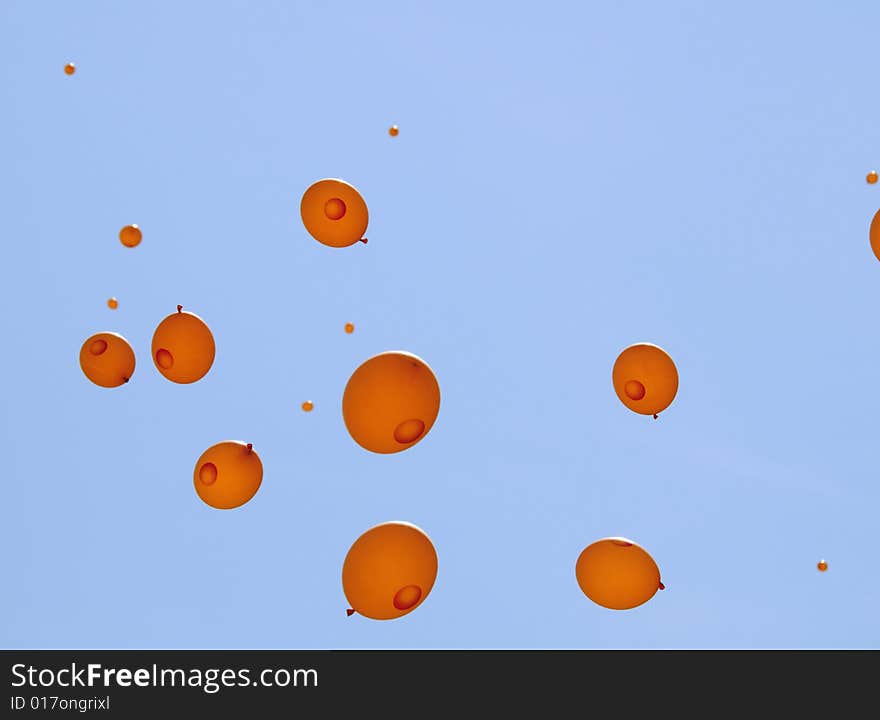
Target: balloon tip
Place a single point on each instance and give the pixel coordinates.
(250, 447)
(179, 308)
(662, 586)
(349, 612)
(125, 379)
(364, 241)
(655, 416)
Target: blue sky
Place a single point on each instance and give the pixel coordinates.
(569, 178)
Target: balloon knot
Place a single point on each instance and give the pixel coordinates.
(349, 612)
(662, 586)
(125, 379)
(250, 447)
(655, 416)
(364, 241)
(179, 308)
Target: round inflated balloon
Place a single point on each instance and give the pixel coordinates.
(645, 378)
(69, 69)
(349, 328)
(389, 571)
(618, 574)
(391, 402)
(308, 406)
(394, 131)
(871, 177)
(874, 235)
(822, 566)
(130, 236)
(334, 213)
(113, 303)
(107, 359)
(183, 347)
(228, 474)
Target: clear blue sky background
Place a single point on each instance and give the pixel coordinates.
(569, 178)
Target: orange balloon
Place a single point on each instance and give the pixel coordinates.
(334, 213)
(349, 328)
(130, 236)
(874, 235)
(107, 359)
(228, 474)
(618, 574)
(391, 402)
(183, 347)
(871, 177)
(112, 303)
(645, 378)
(822, 565)
(308, 406)
(393, 131)
(389, 571)
(70, 69)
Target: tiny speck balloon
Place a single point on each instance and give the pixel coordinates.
(112, 303)
(70, 69)
(308, 406)
(822, 565)
(871, 177)
(349, 328)
(394, 131)
(130, 236)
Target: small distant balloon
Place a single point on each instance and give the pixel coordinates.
(874, 235)
(393, 131)
(228, 474)
(69, 69)
(391, 402)
(349, 328)
(871, 177)
(130, 236)
(308, 406)
(107, 359)
(112, 303)
(618, 574)
(822, 565)
(334, 213)
(183, 347)
(389, 571)
(645, 379)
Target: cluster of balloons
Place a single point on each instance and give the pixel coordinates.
(390, 403)
(182, 350)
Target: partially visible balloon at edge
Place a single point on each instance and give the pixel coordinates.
(874, 235)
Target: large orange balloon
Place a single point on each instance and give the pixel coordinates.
(183, 347)
(874, 235)
(334, 213)
(617, 573)
(107, 359)
(228, 474)
(389, 571)
(645, 379)
(391, 402)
